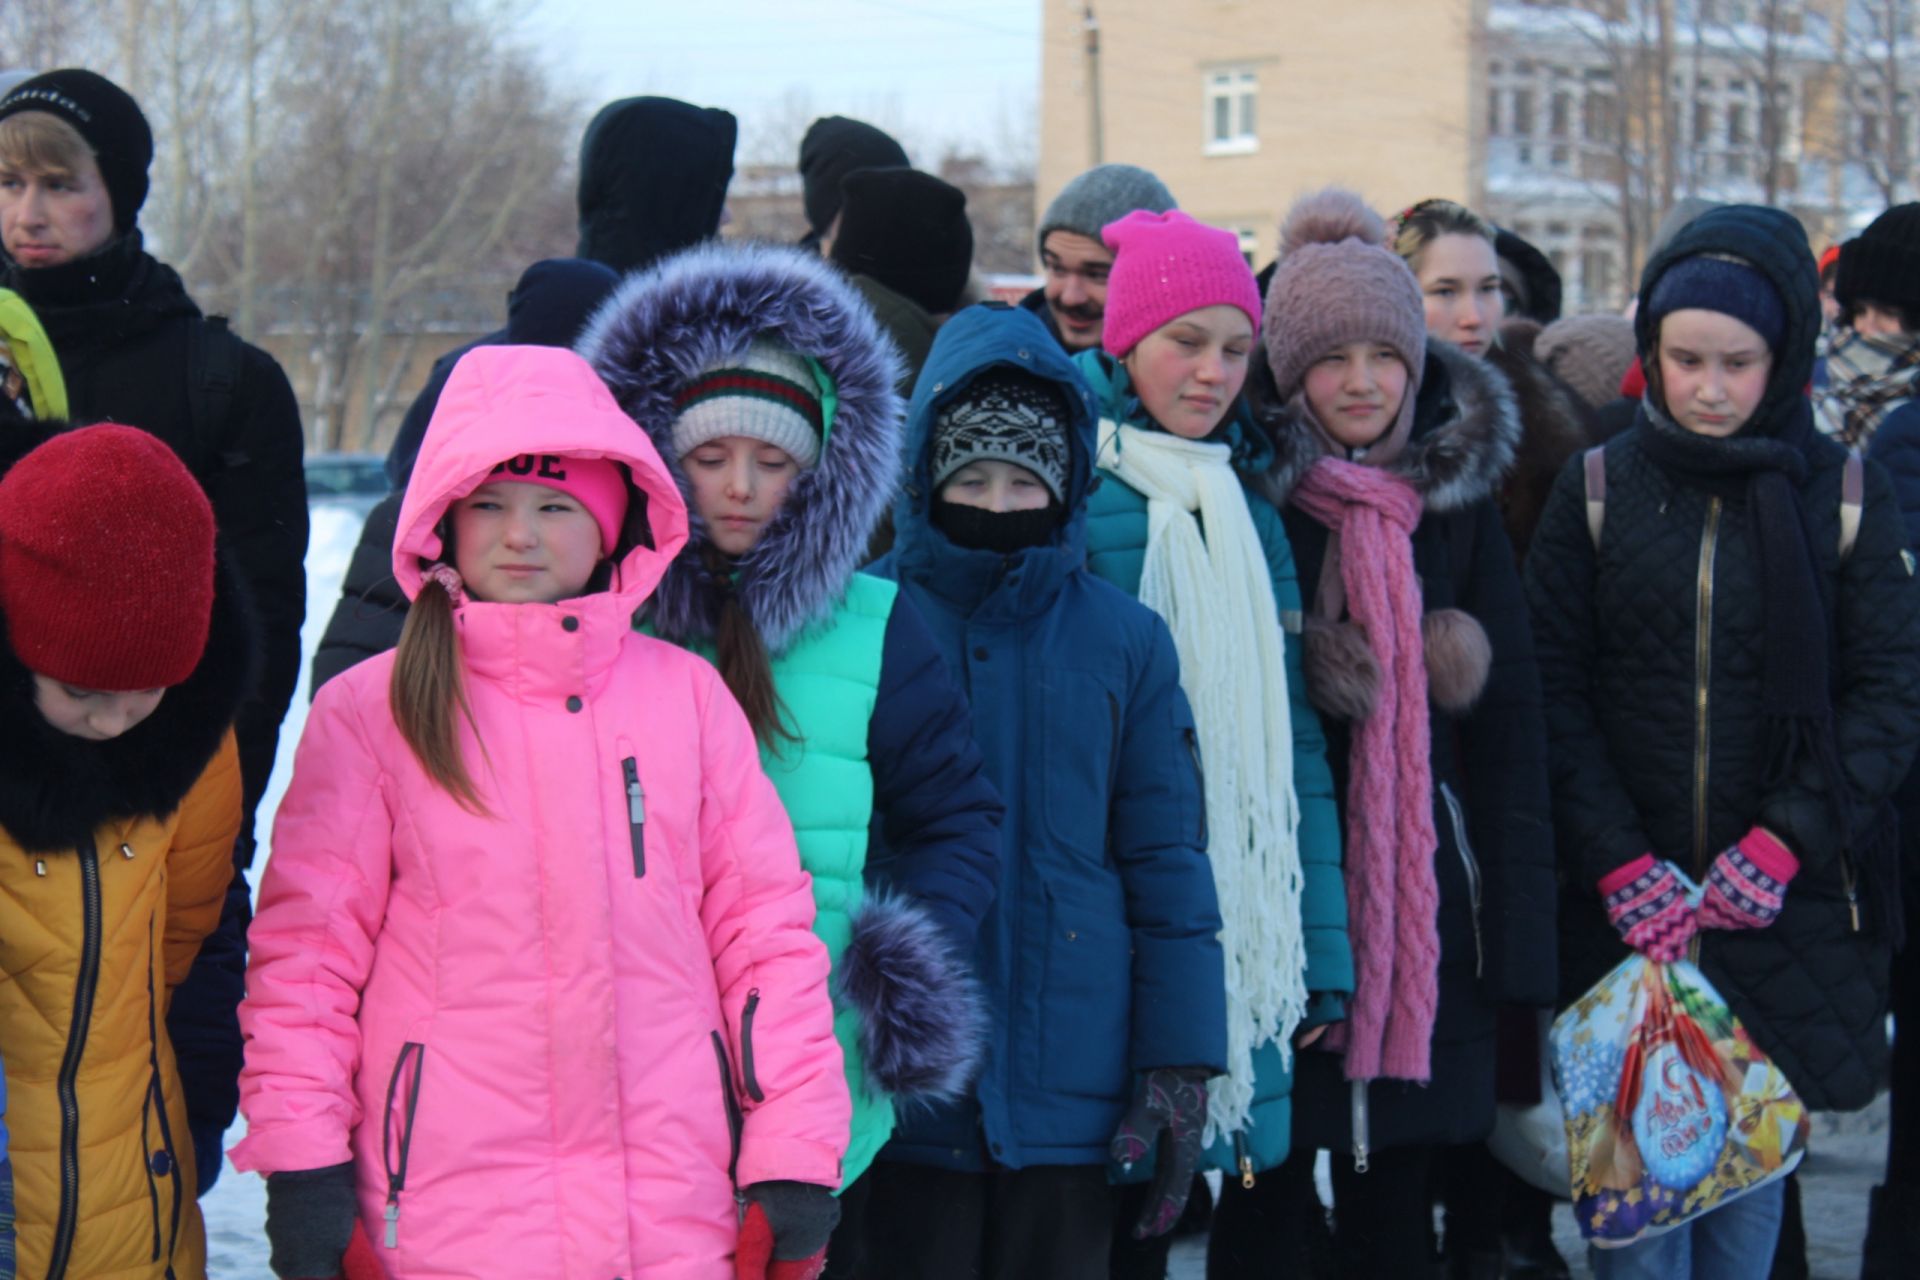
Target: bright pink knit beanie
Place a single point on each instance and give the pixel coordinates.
(1165, 265)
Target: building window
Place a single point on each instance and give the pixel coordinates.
(1231, 100)
(1249, 243)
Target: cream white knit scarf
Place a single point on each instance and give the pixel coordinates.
(1216, 595)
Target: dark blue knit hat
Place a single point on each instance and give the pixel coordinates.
(1716, 282)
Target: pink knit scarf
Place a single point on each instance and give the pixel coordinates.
(1392, 898)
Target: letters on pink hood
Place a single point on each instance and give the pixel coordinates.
(546, 1034)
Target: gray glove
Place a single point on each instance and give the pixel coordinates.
(310, 1217)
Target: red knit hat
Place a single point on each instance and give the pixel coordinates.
(106, 561)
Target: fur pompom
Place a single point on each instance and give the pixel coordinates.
(923, 1021)
(1328, 217)
(1343, 676)
(1459, 656)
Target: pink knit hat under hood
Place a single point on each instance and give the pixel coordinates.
(1337, 282)
(1165, 265)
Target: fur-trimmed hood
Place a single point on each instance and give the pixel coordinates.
(1466, 427)
(661, 328)
(56, 789)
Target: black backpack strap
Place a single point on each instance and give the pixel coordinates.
(213, 364)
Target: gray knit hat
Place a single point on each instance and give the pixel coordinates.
(768, 392)
(1103, 194)
(1005, 415)
(1588, 353)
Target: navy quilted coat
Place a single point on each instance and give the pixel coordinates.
(1651, 650)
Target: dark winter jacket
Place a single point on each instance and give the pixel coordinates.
(131, 346)
(653, 179)
(1100, 958)
(1651, 651)
(1553, 428)
(910, 326)
(1036, 302)
(1494, 863)
(884, 750)
(1896, 446)
(548, 307)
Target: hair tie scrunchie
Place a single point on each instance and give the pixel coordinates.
(450, 581)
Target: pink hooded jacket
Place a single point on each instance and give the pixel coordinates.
(546, 1037)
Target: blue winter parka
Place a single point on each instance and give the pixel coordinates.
(1102, 957)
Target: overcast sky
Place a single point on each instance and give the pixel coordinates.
(938, 71)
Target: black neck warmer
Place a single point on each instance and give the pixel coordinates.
(99, 277)
(1006, 532)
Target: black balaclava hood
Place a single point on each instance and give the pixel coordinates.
(653, 179)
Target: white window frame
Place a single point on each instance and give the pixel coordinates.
(1239, 88)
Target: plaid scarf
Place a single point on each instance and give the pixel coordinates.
(1868, 377)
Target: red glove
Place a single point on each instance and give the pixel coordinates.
(1648, 905)
(754, 1259)
(1748, 883)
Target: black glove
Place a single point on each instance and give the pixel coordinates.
(310, 1217)
(1168, 1113)
(801, 1216)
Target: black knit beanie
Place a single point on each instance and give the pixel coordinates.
(833, 148)
(1882, 264)
(909, 231)
(111, 122)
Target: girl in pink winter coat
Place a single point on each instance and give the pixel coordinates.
(533, 987)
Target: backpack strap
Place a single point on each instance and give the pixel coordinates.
(1594, 462)
(213, 365)
(1853, 498)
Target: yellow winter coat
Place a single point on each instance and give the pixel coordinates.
(93, 940)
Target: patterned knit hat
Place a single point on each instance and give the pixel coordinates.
(106, 561)
(1882, 264)
(1005, 415)
(768, 392)
(1165, 265)
(1337, 282)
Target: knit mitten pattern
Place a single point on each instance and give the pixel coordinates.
(1648, 905)
(784, 1233)
(1747, 885)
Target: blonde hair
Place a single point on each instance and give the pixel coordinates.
(40, 142)
(1417, 226)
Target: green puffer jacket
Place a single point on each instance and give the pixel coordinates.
(1117, 551)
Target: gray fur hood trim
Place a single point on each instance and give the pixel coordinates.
(1465, 431)
(692, 310)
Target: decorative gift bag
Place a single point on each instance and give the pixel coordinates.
(1671, 1108)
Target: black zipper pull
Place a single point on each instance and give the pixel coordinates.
(636, 815)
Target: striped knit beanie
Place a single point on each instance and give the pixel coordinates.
(768, 392)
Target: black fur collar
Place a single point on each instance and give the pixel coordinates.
(55, 789)
(1466, 428)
